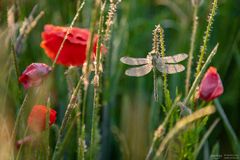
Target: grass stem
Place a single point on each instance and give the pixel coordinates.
(192, 46)
(97, 81)
(20, 112)
(66, 117)
(231, 134)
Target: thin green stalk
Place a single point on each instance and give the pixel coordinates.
(199, 76)
(66, 117)
(20, 112)
(79, 125)
(96, 80)
(20, 149)
(92, 28)
(155, 49)
(162, 47)
(181, 124)
(231, 134)
(82, 137)
(109, 22)
(86, 77)
(47, 128)
(207, 36)
(192, 46)
(205, 137)
(68, 31)
(67, 135)
(15, 60)
(155, 85)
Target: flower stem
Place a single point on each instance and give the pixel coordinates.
(207, 36)
(199, 76)
(96, 82)
(162, 47)
(66, 117)
(68, 133)
(20, 112)
(81, 147)
(193, 39)
(15, 60)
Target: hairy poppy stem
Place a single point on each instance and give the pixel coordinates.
(97, 82)
(20, 112)
(156, 50)
(67, 135)
(94, 15)
(70, 107)
(207, 36)
(15, 60)
(192, 46)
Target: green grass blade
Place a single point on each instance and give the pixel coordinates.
(231, 134)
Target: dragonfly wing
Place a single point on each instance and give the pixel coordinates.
(139, 71)
(170, 68)
(134, 61)
(174, 59)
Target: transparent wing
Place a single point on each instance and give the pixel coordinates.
(170, 68)
(139, 71)
(134, 61)
(174, 59)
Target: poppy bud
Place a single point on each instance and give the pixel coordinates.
(211, 85)
(34, 74)
(37, 118)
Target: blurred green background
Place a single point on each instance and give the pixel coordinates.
(127, 117)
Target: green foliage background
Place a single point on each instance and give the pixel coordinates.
(127, 117)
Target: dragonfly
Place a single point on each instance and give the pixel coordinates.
(166, 64)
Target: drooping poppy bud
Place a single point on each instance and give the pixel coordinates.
(37, 118)
(34, 74)
(211, 85)
(74, 49)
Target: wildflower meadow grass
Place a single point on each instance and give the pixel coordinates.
(119, 79)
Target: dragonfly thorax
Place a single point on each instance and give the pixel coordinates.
(157, 60)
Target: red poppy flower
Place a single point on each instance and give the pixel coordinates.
(73, 52)
(37, 118)
(34, 74)
(211, 85)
